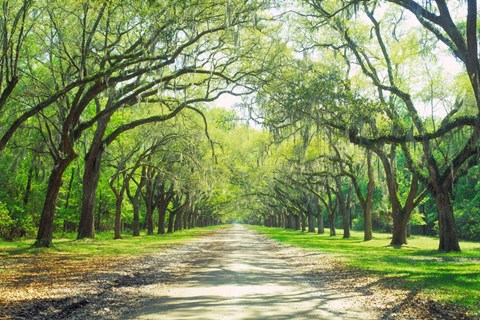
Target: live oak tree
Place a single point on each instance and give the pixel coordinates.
(142, 58)
(169, 165)
(202, 74)
(349, 169)
(460, 36)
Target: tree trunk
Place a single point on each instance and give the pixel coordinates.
(28, 187)
(343, 209)
(171, 218)
(288, 221)
(119, 193)
(331, 221)
(446, 222)
(150, 201)
(311, 222)
(45, 228)
(400, 214)
(194, 219)
(149, 216)
(399, 232)
(91, 176)
(178, 220)
(99, 211)
(136, 218)
(69, 189)
(185, 212)
(186, 216)
(367, 210)
(135, 199)
(368, 228)
(66, 223)
(162, 210)
(118, 217)
(320, 226)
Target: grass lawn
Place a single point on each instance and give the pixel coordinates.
(447, 277)
(102, 245)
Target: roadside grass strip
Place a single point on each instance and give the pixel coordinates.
(445, 277)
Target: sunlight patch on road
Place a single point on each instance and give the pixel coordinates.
(230, 291)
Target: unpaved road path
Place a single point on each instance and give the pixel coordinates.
(245, 279)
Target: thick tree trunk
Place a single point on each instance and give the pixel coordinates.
(368, 228)
(193, 217)
(296, 220)
(178, 220)
(399, 232)
(186, 213)
(149, 217)
(320, 226)
(161, 220)
(311, 221)
(162, 210)
(400, 214)
(45, 228)
(91, 176)
(446, 222)
(191, 213)
(171, 218)
(186, 216)
(136, 218)
(135, 200)
(119, 194)
(331, 221)
(288, 221)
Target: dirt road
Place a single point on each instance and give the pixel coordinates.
(245, 279)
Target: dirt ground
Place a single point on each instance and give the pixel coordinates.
(231, 274)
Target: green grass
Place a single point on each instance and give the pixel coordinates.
(103, 244)
(446, 277)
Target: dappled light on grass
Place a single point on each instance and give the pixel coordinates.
(104, 244)
(449, 277)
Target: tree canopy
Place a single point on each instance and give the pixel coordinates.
(353, 114)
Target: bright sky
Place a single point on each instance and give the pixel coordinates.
(227, 101)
